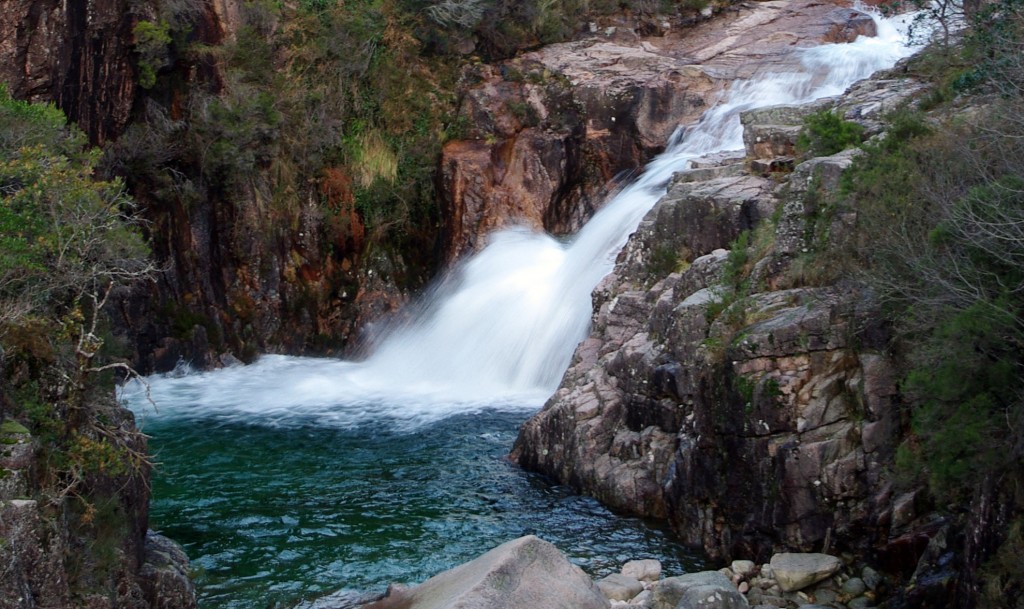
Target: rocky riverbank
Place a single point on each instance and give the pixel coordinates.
(530, 572)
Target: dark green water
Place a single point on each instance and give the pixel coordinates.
(274, 515)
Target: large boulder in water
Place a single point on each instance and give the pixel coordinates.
(524, 572)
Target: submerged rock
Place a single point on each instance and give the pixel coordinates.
(524, 572)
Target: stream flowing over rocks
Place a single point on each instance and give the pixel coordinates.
(549, 130)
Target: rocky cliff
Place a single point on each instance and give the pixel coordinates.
(732, 391)
(83, 541)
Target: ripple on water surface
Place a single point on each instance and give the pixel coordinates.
(273, 515)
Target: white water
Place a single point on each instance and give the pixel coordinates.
(501, 330)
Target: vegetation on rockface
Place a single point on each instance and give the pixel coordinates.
(939, 235)
(931, 216)
(67, 241)
(827, 133)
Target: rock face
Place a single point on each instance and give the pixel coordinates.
(750, 417)
(76, 54)
(53, 557)
(525, 572)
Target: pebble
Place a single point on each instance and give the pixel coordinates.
(854, 586)
(743, 567)
(871, 578)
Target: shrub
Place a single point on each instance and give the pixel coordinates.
(826, 133)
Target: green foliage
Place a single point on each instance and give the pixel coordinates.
(25, 125)
(1001, 574)
(151, 43)
(664, 260)
(66, 240)
(994, 49)
(826, 133)
(62, 233)
(941, 236)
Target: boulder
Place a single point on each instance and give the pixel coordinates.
(619, 587)
(703, 590)
(524, 572)
(797, 571)
(647, 570)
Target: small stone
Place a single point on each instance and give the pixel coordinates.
(644, 599)
(619, 587)
(744, 587)
(871, 578)
(743, 567)
(774, 601)
(766, 571)
(647, 570)
(796, 571)
(854, 586)
(861, 602)
(825, 596)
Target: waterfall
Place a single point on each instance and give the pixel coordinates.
(501, 329)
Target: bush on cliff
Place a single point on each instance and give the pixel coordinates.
(66, 242)
(941, 216)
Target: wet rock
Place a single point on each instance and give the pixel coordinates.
(525, 572)
(752, 423)
(164, 575)
(848, 24)
(798, 571)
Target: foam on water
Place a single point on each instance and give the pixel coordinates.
(501, 329)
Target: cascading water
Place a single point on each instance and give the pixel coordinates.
(494, 338)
